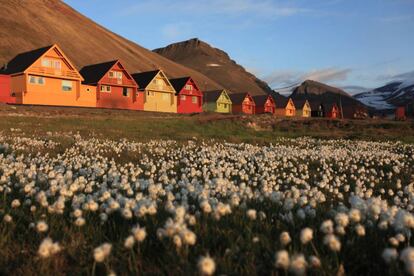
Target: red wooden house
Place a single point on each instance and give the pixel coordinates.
(6, 95)
(400, 114)
(243, 103)
(332, 111)
(264, 104)
(115, 87)
(189, 96)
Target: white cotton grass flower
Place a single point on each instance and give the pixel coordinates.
(41, 226)
(15, 203)
(332, 242)
(298, 265)
(327, 227)
(206, 265)
(189, 237)
(355, 215)
(389, 255)
(48, 248)
(251, 214)
(139, 233)
(102, 252)
(306, 235)
(129, 242)
(80, 222)
(342, 219)
(394, 242)
(314, 262)
(407, 256)
(285, 238)
(360, 230)
(7, 218)
(282, 260)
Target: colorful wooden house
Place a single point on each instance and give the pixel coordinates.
(264, 104)
(113, 86)
(157, 91)
(217, 101)
(332, 111)
(284, 106)
(303, 108)
(355, 112)
(46, 77)
(5, 90)
(400, 114)
(318, 109)
(189, 96)
(243, 103)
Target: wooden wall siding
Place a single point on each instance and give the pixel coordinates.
(116, 99)
(5, 90)
(190, 101)
(159, 96)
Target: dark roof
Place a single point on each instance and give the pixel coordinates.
(300, 103)
(95, 72)
(179, 83)
(260, 99)
(143, 79)
(238, 98)
(280, 100)
(23, 61)
(212, 96)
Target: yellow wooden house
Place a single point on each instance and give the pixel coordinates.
(284, 106)
(158, 93)
(217, 101)
(303, 108)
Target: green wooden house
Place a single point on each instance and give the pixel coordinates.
(217, 101)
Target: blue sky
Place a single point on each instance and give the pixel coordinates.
(341, 42)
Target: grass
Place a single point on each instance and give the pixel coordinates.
(141, 126)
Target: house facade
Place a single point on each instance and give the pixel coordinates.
(332, 111)
(243, 103)
(189, 96)
(157, 92)
(113, 86)
(303, 108)
(46, 77)
(5, 90)
(285, 108)
(264, 104)
(217, 101)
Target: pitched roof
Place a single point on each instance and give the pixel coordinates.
(280, 100)
(24, 60)
(212, 96)
(238, 98)
(144, 79)
(95, 72)
(300, 103)
(260, 99)
(179, 83)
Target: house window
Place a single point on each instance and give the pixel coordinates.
(105, 88)
(225, 105)
(125, 92)
(41, 80)
(111, 74)
(194, 100)
(119, 75)
(189, 87)
(32, 80)
(150, 93)
(57, 64)
(66, 85)
(183, 97)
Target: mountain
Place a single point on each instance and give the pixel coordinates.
(316, 92)
(389, 96)
(27, 25)
(216, 64)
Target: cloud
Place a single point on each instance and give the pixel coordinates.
(217, 7)
(286, 78)
(176, 31)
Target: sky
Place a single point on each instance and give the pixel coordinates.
(354, 44)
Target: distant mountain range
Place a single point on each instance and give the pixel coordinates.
(215, 64)
(389, 96)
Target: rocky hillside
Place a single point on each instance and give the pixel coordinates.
(216, 64)
(27, 25)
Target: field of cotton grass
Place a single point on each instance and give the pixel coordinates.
(204, 207)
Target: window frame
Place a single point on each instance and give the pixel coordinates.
(67, 82)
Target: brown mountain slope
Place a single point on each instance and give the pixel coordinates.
(215, 64)
(31, 24)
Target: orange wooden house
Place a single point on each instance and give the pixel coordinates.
(5, 90)
(114, 86)
(284, 106)
(243, 103)
(47, 77)
(264, 104)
